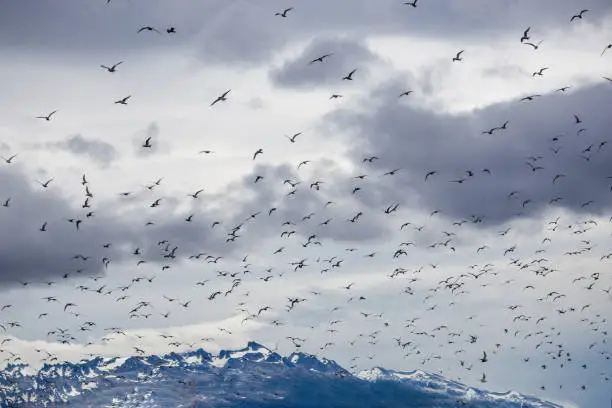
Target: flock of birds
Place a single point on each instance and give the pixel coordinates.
(521, 325)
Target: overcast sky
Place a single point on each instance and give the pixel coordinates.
(497, 180)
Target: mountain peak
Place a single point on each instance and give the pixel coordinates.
(254, 373)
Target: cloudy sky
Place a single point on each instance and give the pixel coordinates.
(495, 201)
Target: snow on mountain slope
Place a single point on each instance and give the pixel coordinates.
(438, 384)
(250, 377)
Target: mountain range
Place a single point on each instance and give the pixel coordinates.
(253, 376)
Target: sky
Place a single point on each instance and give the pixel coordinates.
(500, 205)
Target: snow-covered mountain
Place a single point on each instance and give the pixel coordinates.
(251, 377)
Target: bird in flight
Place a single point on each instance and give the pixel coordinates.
(284, 12)
(46, 183)
(48, 117)
(579, 15)
(112, 68)
(221, 98)
(525, 36)
(413, 4)
(195, 195)
(147, 142)
(607, 47)
(123, 101)
(405, 93)
(530, 97)
(10, 159)
(458, 56)
(430, 173)
(292, 138)
(148, 28)
(540, 72)
(535, 46)
(320, 59)
(349, 76)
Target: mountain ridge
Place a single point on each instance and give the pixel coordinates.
(253, 376)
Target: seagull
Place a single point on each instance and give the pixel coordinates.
(195, 195)
(349, 76)
(284, 12)
(221, 98)
(413, 4)
(458, 56)
(609, 46)
(148, 28)
(48, 117)
(405, 93)
(112, 68)
(525, 36)
(530, 97)
(10, 159)
(430, 173)
(535, 46)
(292, 138)
(320, 59)
(540, 72)
(46, 183)
(147, 142)
(123, 101)
(579, 15)
(259, 151)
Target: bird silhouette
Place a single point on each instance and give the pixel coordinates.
(48, 117)
(221, 98)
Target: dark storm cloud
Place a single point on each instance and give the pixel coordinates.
(97, 150)
(28, 254)
(236, 31)
(346, 55)
(419, 141)
(77, 26)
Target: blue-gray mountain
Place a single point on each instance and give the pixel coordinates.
(251, 377)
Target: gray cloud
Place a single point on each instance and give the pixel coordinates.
(347, 55)
(419, 141)
(129, 223)
(30, 254)
(399, 131)
(240, 32)
(97, 150)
